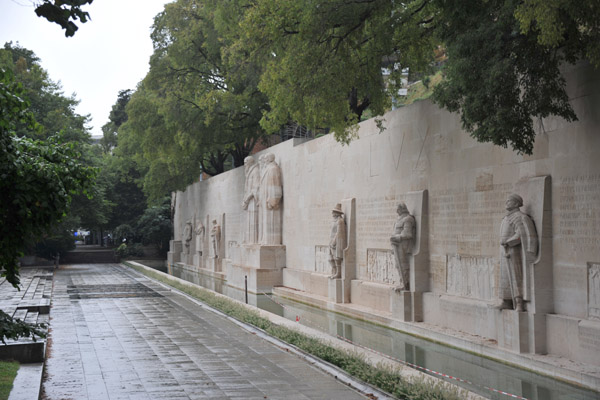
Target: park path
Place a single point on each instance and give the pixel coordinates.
(115, 334)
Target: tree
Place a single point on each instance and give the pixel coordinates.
(323, 59)
(64, 13)
(92, 210)
(53, 111)
(515, 81)
(40, 178)
(196, 111)
(55, 114)
(116, 118)
(151, 145)
(155, 226)
(124, 192)
(573, 27)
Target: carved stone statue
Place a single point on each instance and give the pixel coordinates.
(261, 168)
(337, 242)
(403, 240)
(270, 195)
(518, 239)
(215, 238)
(250, 202)
(200, 231)
(173, 207)
(187, 236)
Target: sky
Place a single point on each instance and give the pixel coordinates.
(107, 54)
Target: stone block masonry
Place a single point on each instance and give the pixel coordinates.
(456, 188)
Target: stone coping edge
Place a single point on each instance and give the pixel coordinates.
(28, 382)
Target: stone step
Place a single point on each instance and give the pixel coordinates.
(20, 314)
(89, 257)
(32, 317)
(31, 304)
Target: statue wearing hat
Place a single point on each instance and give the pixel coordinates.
(215, 238)
(403, 240)
(337, 242)
(518, 239)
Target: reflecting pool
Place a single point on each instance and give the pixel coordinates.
(481, 373)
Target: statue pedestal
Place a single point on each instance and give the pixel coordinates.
(261, 256)
(513, 334)
(214, 264)
(521, 332)
(174, 255)
(262, 265)
(336, 290)
(406, 306)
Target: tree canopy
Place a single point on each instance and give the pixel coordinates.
(120, 170)
(40, 177)
(57, 122)
(116, 118)
(226, 73)
(64, 13)
(53, 111)
(322, 60)
(194, 111)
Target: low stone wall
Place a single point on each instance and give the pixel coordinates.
(456, 189)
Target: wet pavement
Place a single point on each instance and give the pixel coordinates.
(115, 334)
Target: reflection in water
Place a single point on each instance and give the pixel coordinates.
(481, 371)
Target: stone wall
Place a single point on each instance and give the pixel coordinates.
(423, 148)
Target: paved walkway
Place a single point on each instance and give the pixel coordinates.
(116, 335)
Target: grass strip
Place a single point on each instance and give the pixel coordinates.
(8, 372)
(383, 377)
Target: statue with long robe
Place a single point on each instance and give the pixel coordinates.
(518, 238)
(215, 238)
(250, 201)
(270, 196)
(402, 241)
(187, 236)
(199, 230)
(337, 242)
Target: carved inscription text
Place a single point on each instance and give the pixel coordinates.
(322, 260)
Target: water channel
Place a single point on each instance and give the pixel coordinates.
(483, 373)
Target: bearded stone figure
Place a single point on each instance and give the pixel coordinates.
(518, 239)
(403, 240)
(270, 196)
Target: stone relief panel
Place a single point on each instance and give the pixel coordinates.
(233, 249)
(473, 277)
(322, 260)
(381, 267)
(594, 291)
